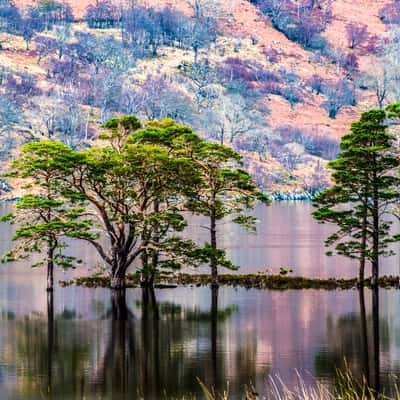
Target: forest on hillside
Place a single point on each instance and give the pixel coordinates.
(63, 75)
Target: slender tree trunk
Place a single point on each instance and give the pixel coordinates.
(361, 272)
(144, 276)
(50, 267)
(363, 246)
(150, 263)
(118, 278)
(213, 260)
(154, 264)
(375, 237)
(147, 280)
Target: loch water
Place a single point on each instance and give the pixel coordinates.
(88, 344)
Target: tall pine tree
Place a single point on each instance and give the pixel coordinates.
(365, 187)
(46, 218)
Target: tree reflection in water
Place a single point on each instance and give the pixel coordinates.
(145, 351)
(155, 354)
(356, 344)
(48, 355)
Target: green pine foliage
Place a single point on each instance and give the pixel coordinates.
(223, 191)
(46, 218)
(129, 198)
(364, 191)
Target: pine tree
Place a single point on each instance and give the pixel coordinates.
(45, 218)
(224, 190)
(365, 187)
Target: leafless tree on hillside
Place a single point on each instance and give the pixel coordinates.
(357, 33)
(228, 118)
(202, 76)
(384, 78)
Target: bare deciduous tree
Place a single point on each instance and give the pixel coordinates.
(357, 33)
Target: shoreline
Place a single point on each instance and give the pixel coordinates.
(247, 281)
(275, 197)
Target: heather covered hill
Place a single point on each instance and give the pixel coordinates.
(280, 81)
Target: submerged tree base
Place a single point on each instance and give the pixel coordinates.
(248, 281)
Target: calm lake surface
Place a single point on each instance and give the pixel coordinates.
(84, 351)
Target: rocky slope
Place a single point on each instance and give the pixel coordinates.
(283, 160)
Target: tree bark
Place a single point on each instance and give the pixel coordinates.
(50, 267)
(150, 261)
(119, 266)
(361, 273)
(375, 237)
(118, 279)
(363, 246)
(147, 280)
(213, 260)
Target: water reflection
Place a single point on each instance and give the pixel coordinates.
(142, 350)
(41, 359)
(358, 342)
(94, 344)
(146, 344)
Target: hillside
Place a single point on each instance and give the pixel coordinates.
(280, 90)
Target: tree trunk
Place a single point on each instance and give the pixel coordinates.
(144, 276)
(118, 279)
(119, 268)
(213, 260)
(363, 247)
(361, 270)
(222, 136)
(150, 261)
(147, 280)
(375, 237)
(50, 267)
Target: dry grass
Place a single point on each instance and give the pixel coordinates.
(348, 388)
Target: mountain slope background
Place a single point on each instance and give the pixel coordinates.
(280, 81)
